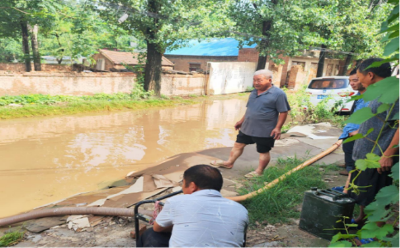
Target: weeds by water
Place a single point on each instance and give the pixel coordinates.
(322, 112)
(11, 238)
(279, 203)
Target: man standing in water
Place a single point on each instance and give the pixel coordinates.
(267, 109)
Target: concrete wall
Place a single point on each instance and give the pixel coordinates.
(20, 67)
(79, 84)
(182, 62)
(183, 85)
(76, 84)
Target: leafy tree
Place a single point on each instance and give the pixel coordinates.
(280, 27)
(164, 24)
(385, 206)
(78, 31)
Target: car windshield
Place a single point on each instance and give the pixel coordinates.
(329, 83)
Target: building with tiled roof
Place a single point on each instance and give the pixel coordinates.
(109, 60)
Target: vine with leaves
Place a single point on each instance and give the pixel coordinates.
(385, 206)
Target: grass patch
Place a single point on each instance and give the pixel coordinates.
(11, 238)
(278, 204)
(84, 106)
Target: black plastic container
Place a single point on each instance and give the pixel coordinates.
(322, 209)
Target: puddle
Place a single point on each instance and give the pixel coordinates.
(47, 159)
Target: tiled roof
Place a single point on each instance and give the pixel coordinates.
(128, 58)
(211, 47)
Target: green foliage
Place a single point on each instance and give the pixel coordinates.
(322, 112)
(385, 207)
(11, 238)
(278, 203)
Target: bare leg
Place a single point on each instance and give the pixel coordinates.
(236, 151)
(347, 183)
(360, 219)
(263, 162)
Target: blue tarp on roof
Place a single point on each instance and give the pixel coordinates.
(212, 47)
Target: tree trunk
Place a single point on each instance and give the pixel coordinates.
(35, 47)
(25, 45)
(152, 77)
(347, 62)
(262, 59)
(321, 62)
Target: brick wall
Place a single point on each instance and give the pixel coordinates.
(181, 62)
(248, 55)
(20, 67)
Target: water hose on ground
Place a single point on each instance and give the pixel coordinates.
(283, 177)
(66, 211)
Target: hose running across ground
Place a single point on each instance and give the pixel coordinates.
(283, 177)
(66, 211)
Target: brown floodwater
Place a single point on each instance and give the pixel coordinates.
(47, 159)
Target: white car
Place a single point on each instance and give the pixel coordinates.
(336, 87)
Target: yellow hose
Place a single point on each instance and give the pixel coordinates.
(283, 177)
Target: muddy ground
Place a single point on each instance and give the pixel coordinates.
(116, 231)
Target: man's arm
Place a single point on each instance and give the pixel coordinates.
(239, 123)
(386, 160)
(276, 132)
(158, 228)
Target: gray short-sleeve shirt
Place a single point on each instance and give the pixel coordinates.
(263, 111)
(204, 219)
(364, 146)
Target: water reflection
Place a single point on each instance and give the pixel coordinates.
(47, 159)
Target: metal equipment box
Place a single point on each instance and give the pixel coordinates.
(322, 209)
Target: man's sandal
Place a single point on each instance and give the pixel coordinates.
(252, 174)
(219, 163)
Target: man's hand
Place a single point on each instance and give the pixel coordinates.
(386, 164)
(353, 133)
(276, 133)
(238, 125)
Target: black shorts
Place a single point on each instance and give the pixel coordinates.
(263, 144)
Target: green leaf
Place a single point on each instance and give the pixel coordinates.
(391, 47)
(377, 64)
(394, 14)
(369, 131)
(372, 244)
(376, 212)
(392, 28)
(355, 137)
(336, 237)
(341, 244)
(387, 195)
(395, 116)
(371, 230)
(395, 240)
(380, 91)
(382, 108)
(370, 162)
(361, 115)
(394, 34)
(395, 172)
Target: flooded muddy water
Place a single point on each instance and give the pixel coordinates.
(47, 159)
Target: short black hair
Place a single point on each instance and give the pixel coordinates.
(354, 71)
(384, 70)
(204, 176)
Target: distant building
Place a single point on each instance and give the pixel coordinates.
(114, 60)
(195, 56)
(294, 72)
